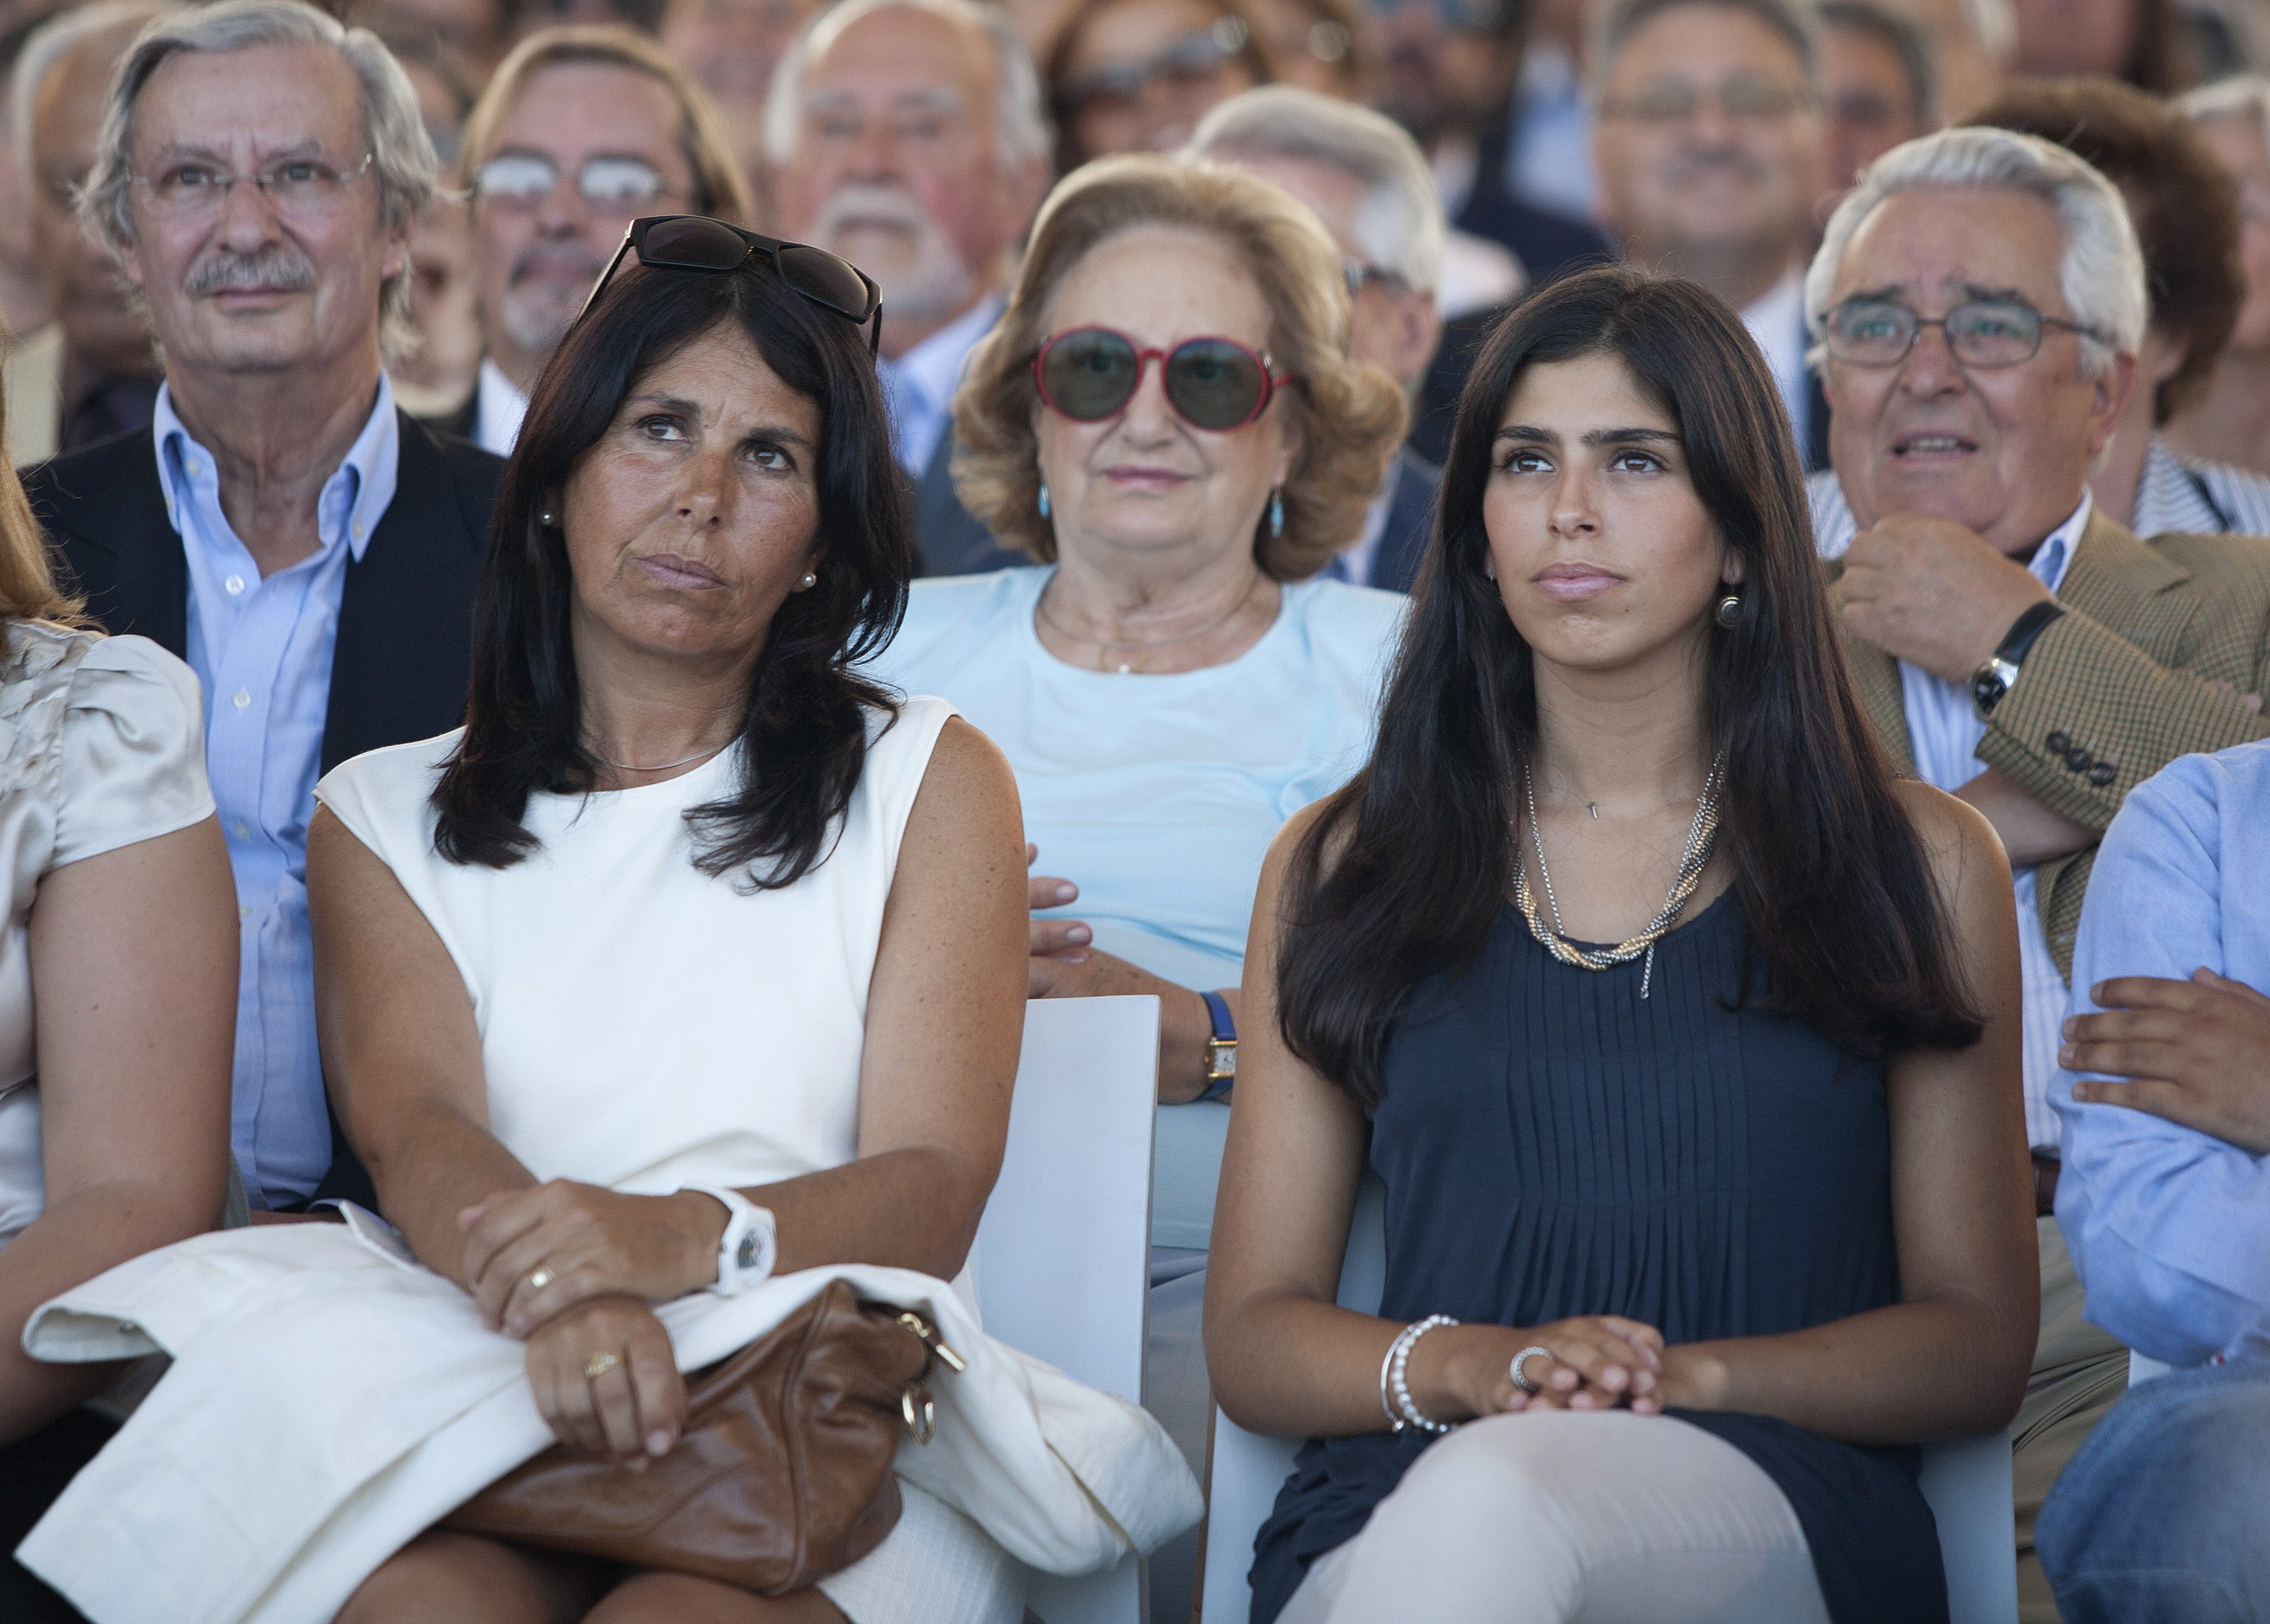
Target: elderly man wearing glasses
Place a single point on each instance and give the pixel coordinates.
(2013, 644)
(582, 130)
(307, 549)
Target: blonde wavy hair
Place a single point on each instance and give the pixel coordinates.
(27, 582)
(1350, 416)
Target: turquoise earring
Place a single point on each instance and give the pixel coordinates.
(1044, 499)
(1277, 512)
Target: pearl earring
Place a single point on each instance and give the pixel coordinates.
(1729, 611)
(809, 582)
(545, 519)
(1277, 512)
(1489, 567)
(1044, 499)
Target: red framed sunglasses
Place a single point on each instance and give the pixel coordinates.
(1091, 373)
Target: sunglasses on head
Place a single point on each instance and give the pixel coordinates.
(1091, 373)
(695, 242)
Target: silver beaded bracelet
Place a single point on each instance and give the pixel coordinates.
(1404, 1413)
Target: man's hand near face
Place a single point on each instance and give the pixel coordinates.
(1931, 592)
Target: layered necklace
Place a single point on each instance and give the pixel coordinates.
(1701, 837)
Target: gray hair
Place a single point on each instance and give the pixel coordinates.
(1399, 226)
(2102, 271)
(2244, 95)
(1794, 20)
(53, 42)
(402, 153)
(1020, 118)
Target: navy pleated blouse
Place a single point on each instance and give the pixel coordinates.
(1554, 1144)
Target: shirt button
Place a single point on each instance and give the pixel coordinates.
(241, 700)
(196, 469)
(240, 829)
(235, 584)
(358, 530)
(244, 911)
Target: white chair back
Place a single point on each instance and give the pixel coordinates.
(1064, 1250)
(1967, 1481)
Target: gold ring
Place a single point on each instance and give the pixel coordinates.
(599, 1364)
(538, 1280)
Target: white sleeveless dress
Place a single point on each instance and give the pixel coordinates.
(646, 1026)
(642, 1026)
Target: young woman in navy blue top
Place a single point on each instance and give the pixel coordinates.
(1683, 1038)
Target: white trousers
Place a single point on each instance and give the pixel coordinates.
(1572, 1517)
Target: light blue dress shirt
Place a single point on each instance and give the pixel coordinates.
(918, 387)
(1158, 795)
(263, 649)
(1944, 733)
(2170, 1229)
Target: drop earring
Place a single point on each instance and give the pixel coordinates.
(1489, 567)
(1044, 499)
(1729, 612)
(1277, 512)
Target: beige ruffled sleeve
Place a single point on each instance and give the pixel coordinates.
(130, 763)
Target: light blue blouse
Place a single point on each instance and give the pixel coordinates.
(1158, 795)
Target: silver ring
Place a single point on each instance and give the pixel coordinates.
(538, 1280)
(1513, 1368)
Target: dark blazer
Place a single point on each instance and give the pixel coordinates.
(1549, 245)
(1414, 485)
(951, 542)
(403, 653)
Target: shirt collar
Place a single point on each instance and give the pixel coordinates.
(1777, 321)
(498, 411)
(353, 500)
(2055, 554)
(933, 370)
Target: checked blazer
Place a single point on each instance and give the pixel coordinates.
(2116, 689)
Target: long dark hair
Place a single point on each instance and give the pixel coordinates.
(803, 739)
(1402, 874)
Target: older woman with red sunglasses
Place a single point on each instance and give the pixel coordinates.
(1167, 417)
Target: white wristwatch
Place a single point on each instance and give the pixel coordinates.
(751, 1243)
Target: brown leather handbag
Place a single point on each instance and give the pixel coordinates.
(783, 1475)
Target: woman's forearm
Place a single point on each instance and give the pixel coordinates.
(1899, 1375)
(915, 1208)
(430, 1162)
(70, 1243)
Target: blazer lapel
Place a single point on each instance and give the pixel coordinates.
(403, 657)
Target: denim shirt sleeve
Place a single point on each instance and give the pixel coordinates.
(2170, 1227)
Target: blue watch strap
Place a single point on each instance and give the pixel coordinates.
(1225, 1031)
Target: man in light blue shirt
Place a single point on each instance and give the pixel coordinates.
(2165, 1201)
(309, 550)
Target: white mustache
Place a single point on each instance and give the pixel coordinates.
(869, 202)
(281, 266)
(585, 264)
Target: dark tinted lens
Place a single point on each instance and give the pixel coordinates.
(819, 275)
(1089, 374)
(1214, 383)
(692, 243)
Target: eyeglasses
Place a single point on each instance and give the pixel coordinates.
(1359, 274)
(617, 186)
(1191, 61)
(1464, 16)
(1091, 373)
(1743, 97)
(1984, 333)
(694, 242)
(299, 188)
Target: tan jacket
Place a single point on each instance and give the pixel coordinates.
(2118, 682)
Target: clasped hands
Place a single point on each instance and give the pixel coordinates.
(571, 1269)
(1599, 1361)
(2197, 1053)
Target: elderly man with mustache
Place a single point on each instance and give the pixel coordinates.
(311, 550)
(1711, 154)
(580, 131)
(909, 135)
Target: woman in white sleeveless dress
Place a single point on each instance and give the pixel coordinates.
(687, 959)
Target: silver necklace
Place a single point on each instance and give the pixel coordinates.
(627, 767)
(1701, 836)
